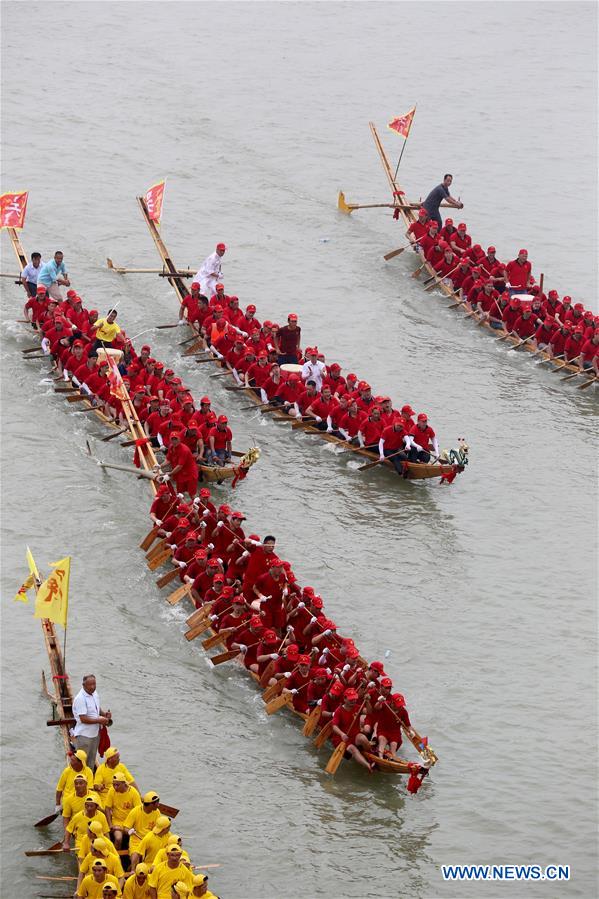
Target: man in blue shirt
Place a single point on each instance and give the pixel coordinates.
(52, 274)
(436, 197)
(30, 274)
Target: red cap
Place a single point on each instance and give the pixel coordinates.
(398, 699)
(213, 563)
(220, 286)
(269, 637)
(183, 523)
(351, 695)
(553, 294)
(303, 660)
(292, 650)
(449, 221)
(491, 250)
(334, 366)
(320, 672)
(145, 348)
(422, 211)
(308, 591)
(386, 682)
(352, 652)
(292, 317)
(522, 252)
(222, 419)
(40, 288)
(377, 666)
(200, 553)
(71, 294)
(407, 410)
(225, 509)
(250, 308)
(238, 515)
(317, 602)
(337, 688)
(567, 299)
(204, 492)
(255, 621)
(461, 226)
(195, 285)
(221, 246)
(205, 401)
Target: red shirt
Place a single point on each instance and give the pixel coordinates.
(423, 436)
(322, 408)
(348, 721)
(417, 230)
(461, 241)
(337, 385)
(394, 439)
(371, 430)
(350, 423)
(182, 455)
(589, 350)
(525, 327)
(221, 438)
(573, 347)
(259, 374)
(518, 273)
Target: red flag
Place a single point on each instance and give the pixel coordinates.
(154, 197)
(403, 123)
(115, 380)
(104, 742)
(12, 209)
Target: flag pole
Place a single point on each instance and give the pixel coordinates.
(399, 160)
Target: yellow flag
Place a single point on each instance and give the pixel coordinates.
(52, 600)
(21, 595)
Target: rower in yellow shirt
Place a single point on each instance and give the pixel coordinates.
(156, 839)
(161, 854)
(73, 803)
(78, 824)
(180, 890)
(140, 821)
(92, 885)
(170, 872)
(120, 800)
(105, 329)
(200, 887)
(105, 772)
(136, 886)
(95, 829)
(66, 782)
(99, 850)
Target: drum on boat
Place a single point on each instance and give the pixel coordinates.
(103, 352)
(291, 367)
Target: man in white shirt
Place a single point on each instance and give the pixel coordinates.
(30, 273)
(89, 715)
(313, 369)
(210, 271)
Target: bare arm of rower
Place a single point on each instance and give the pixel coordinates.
(457, 204)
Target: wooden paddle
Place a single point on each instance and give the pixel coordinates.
(160, 559)
(436, 279)
(394, 253)
(79, 398)
(380, 461)
(179, 593)
(324, 734)
(339, 751)
(225, 656)
(156, 550)
(112, 436)
(517, 346)
(284, 699)
(581, 371)
(47, 820)
(149, 538)
(588, 383)
(559, 367)
(311, 722)
(199, 615)
(167, 578)
(196, 631)
(217, 638)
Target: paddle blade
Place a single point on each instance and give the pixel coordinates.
(277, 703)
(267, 674)
(324, 735)
(160, 559)
(76, 399)
(335, 759)
(312, 721)
(197, 631)
(149, 539)
(272, 691)
(342, 206)
(167, 578)
(169, 810)
(47, 820)
(225, 657)
(213, 641)
(198, 616)
(393, 253)
(178, 594)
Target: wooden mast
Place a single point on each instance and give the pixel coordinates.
(175, 279)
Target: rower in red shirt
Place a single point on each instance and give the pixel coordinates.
(461, 241)
(461, 273)
(544, 333)
(258, 564)
(371, 428)
(574, 344)
(365, 400)
(519, 273)
(448, 231)
(267, 650)
(184, 468)
(489, 261)
(220, 441)
(423, 440)
(448, 265)
(395, 441)
(297, 684)
(270, 590)
(429, 240)
(346, 728)
(526, 325)
(335, 380)
(257, 374)
(321, 409)
(552, 306)
(419, 228)
(164, 502)
(389, 716)
(511, 314)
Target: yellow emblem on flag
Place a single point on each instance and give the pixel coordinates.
(34, 575)
(402, 124)
(52, 600)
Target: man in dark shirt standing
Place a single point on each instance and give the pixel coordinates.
(287, 341)
(436, 197)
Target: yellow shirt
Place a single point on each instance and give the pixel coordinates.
(160, 857)
(162, 878)
(79, 823)
(86, 844)
(91, 889)
(66, 784)
(106, 331)
(142, 823)
(132, 890)
(121, 803)
(150, 845)
(113, 864)
(73, 804)
(104, 774)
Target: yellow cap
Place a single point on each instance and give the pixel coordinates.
(142, 868)
(109, 888)
(181, 889)
(80, 777)
(81, 754)
(92, 797)
(151, 796)
(112, 750)
(96, 827)
(119, 777)
(99, 863)
(173, 847)
(100, 845)
(199, 879)
(173, 838)
(161, 822)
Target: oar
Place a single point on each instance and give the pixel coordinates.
(559, 367)
(324, 734)
(160, 559)
(339, 751)
(311, 722)
(432, 282)
(116, 434)
(167, 578)
(31, 349)
(517, 346)
(588, 383)
(266, 406)
(277, 703)
(79, 398)
(380, 461)
(230, 654)
(178, 594)
(581, 371)
(394, 253)
(416, 273)
(48, 820)
(164, 327)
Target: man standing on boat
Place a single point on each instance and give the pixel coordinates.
(437, 195)
(30, 274)
(210, 271)
(53, 274)
(89, 715)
